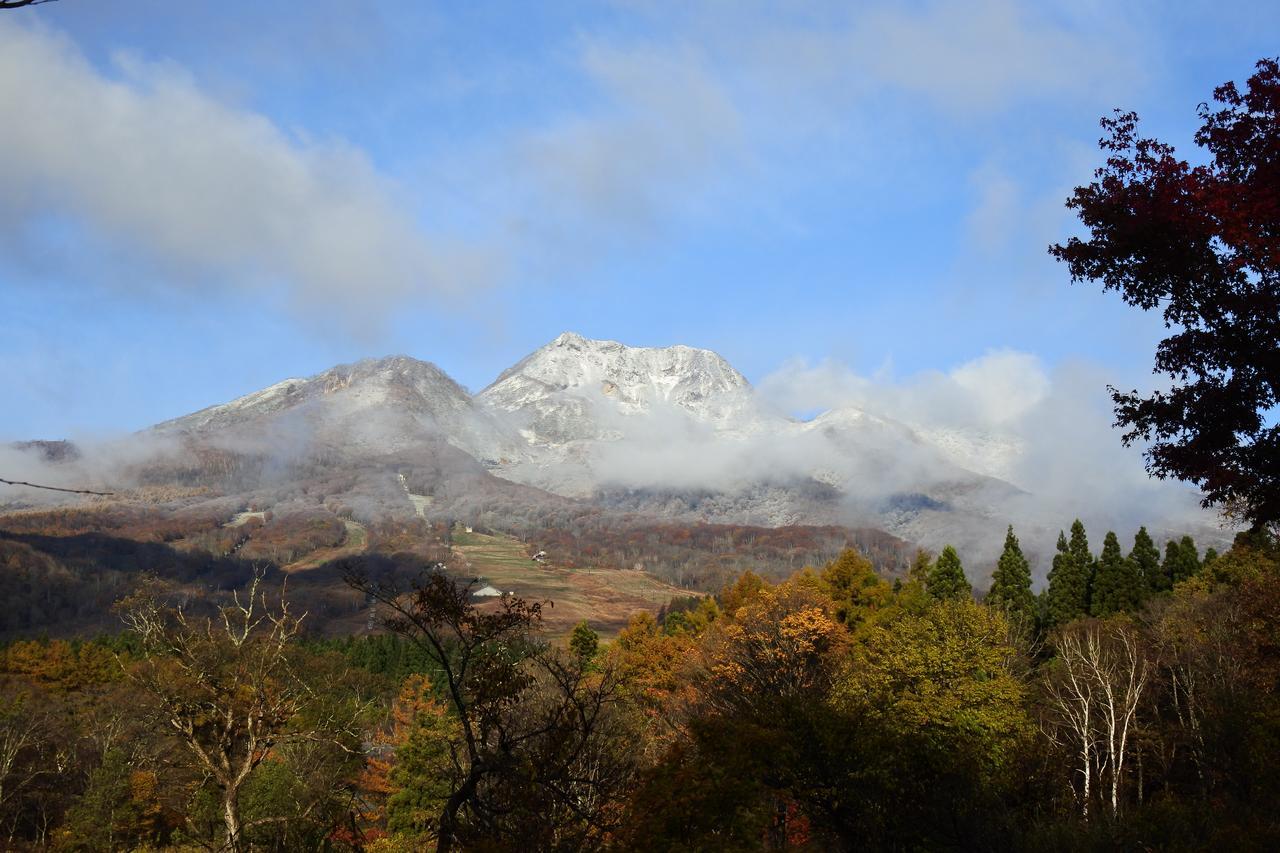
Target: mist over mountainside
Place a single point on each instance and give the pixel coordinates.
(671, 433)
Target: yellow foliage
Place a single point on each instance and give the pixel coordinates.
(943, 673)
(783, 642)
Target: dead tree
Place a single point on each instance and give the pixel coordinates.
(227, 689)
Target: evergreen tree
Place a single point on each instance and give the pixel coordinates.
(946, 578)
(1083, 558)
(1181, 561)
(1068, 593)
(110, 815)
(1145, 557)
(1011, 582)
(1167, 568)
(1189, 565)
(1117, 587)
(584, 642)
(851, 582)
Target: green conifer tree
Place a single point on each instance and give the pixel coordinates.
(1181, 561)
(584, 642)
(1145, 557)
(1189, 565)
(1080, 554)
(1011, 582)
(1068, 593)
(946, 578)
(1172, 554)
(1116, 586)
(853, 586)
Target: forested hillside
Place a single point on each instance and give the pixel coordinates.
(833, 709)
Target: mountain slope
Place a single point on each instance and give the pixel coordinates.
(672, 433)
(371, 405)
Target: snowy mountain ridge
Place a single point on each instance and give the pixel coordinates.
(655, 430)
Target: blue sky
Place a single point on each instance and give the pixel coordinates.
(200, 199)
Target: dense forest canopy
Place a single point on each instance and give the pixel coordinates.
(829, 710)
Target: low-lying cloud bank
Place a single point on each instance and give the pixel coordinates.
(1047, 431)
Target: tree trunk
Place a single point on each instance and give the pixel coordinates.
(1088, 779)
(449, 815)
(231, 818)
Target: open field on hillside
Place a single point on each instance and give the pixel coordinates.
(606, 598)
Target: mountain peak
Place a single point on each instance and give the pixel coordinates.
(397, 380)
(568, 339)
(566, 386)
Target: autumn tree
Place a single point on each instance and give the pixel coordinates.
(853, 586)
(1215, 638)
(912, 593)
(228, 689)
(1202, 243)
(24, 741)
(938, 700)
(534, 756)
(745, 588)
(762, 720)
(417, 777)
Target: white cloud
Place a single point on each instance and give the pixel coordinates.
(988, 392)
(1005, 414)
(1003, 385)
(983, 55)
(665, 125)
(213, 195)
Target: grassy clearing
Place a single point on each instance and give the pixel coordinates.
(606, 598)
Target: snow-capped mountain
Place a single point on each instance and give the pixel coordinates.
(377, 404)
(669, 432)
(584, 425)
(646, 429)
(564, 389)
